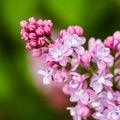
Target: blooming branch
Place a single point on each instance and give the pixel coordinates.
(91, 77)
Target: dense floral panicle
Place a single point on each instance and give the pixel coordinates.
(35, 31)
(91, 77)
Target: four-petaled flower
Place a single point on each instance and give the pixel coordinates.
(59, 53)
(100, 79)
(74, 42)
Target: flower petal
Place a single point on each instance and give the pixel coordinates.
(108, 83)
(97, 86)
(47, 79)
(79, 50)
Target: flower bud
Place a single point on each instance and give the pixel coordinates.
(60, 76)
(23, 23)
(25, 35)
(41, 41)
(85, 59)
(108, 42)
(28, 46)
(40, 22)
(32, 20)
(62, 32)
(32, 27)
(84, 112)
(39, 31)
(116, 36)
(32, 36)
(34, 43)
(47, 30)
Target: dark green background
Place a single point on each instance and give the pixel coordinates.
(19, 99)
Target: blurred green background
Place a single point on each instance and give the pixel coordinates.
(19, 98)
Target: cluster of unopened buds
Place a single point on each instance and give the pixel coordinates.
(89, 75)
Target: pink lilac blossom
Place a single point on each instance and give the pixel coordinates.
(59, 53)
(100, 80)
(74, 42)
(101, 55)
(90, 76)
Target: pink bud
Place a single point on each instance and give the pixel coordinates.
(33, 43)
(118, 47)
(71, 30)
(41, 41)
(75, 30)
(48, 23)
(116, 36)
(36, 52)
(40, 22)
(47, 30)
(85, 59)
(108, 42)
(118, 100)
(62, 32)
(25, 35)
(23, 23)
(32, 20)
(84, 112)
(39, 31)
(78, 30)
(32, 36)
(60, 76)
(32, 27)
(28, 46)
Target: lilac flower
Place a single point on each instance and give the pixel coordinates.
(100, 79)
(102, 56)
(99, 116)
(81, 96)
(92, 43)
(77, 80)
(114, 112)
(47, 74)
(79, 112)
(74, 42)
(59, 53)
(74, 112)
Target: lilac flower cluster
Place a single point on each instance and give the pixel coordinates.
(35, 33)
(91, 77)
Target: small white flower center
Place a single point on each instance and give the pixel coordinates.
(101, 80)
(74, 43)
